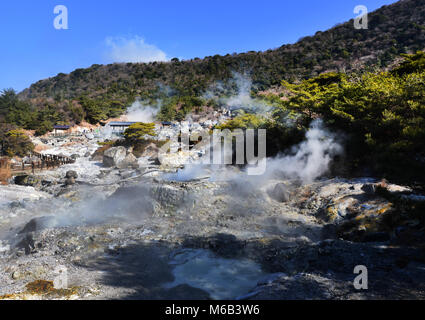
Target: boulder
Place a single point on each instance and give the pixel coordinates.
(130, 161)
(71, 174)
(168, 195)
(28, 181)
(151, 151)
(175, 160)
(369, 188)
(70, 181)
(96, 156)
(367, 221)
(113, 156)
(280, 193)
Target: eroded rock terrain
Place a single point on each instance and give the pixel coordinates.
(127, 231)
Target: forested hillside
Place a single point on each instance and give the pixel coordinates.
(104, 91)
(381, 116)
(394, 29)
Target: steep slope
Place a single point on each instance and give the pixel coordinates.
(393, 29)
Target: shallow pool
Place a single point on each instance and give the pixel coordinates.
(221, 278)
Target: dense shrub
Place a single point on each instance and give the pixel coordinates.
(382, 115)
(139, 131)
(17, 143)
(246, 121)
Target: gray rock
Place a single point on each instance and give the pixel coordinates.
(70, 181)
(96, 157)
(169, 195)
(113, 156)
(130, 161)
(280, 193)
(151, 152)
(28, 181)
(16, 275)
(71, 174)
(369, 188)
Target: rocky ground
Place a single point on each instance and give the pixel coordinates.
(124, 228)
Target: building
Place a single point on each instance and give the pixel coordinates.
(118, 126)
(60, 129)
(167, 124)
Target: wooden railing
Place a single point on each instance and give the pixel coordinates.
(68, 134)
(38, 162)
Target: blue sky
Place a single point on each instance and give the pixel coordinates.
(139, 30)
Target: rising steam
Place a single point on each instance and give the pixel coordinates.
(310, 159)
(304, 162)
(139, 112)
(236, 95)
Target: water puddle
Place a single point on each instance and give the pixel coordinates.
(221, 278)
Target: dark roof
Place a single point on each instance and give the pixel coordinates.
(121, 124)
(166, 123)
(59, 127)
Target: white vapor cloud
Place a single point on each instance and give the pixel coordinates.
(139, 112)
(239, 86)
(132, 49)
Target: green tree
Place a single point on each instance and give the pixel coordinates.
(95, 112)
(43, 127)
(382, 115)
(4, 129)
(13, 110)
(246, 121)
(412, 63)
(139, 131)
(17, 143)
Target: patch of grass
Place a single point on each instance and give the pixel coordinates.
(40, 287)
(107, 143)
(46, 288)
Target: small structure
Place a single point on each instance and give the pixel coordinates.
(118, 126)
(60, 129)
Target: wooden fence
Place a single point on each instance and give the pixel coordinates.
(37, 162)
